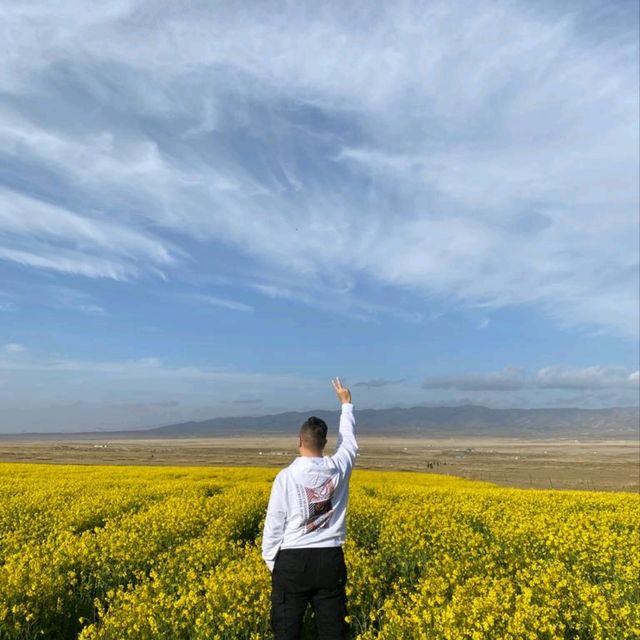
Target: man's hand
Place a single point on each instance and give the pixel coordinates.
(343, 393)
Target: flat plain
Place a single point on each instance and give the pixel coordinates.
(596, 465)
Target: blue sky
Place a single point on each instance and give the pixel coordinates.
(214, 208)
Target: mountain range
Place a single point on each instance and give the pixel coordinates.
(467, 420)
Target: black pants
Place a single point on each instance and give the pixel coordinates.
(313, 575)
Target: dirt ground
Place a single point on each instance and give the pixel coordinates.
(606, 465)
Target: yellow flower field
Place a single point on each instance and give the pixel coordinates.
(106, 552)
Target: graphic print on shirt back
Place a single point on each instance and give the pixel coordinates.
(318, 505)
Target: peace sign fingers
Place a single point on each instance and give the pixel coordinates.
(343, 393)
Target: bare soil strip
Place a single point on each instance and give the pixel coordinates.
(606, 465)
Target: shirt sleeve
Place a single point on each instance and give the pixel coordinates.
(274, 522)
(345, 454)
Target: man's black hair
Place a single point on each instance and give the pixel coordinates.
(314, 434)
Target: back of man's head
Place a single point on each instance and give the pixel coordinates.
(314, 434)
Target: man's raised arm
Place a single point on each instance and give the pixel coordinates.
(347, 446)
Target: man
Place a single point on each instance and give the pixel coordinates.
(305, 529)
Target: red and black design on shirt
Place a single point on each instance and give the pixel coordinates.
(319, 505)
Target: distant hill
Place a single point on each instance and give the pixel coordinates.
(468, 420)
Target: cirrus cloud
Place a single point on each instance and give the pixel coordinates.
(555, 377)
(508, 179)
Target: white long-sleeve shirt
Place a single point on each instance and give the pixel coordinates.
(308, 502)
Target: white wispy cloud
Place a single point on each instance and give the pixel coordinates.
(376, 383)
(13, 347)
(56, 376)
(25, 216)
(403, 144)
(54, 296)
(70, 262)
(597, 377)
(221, 302)
(554, 377)
(47, 236)
(510, 379)
(48, 391)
